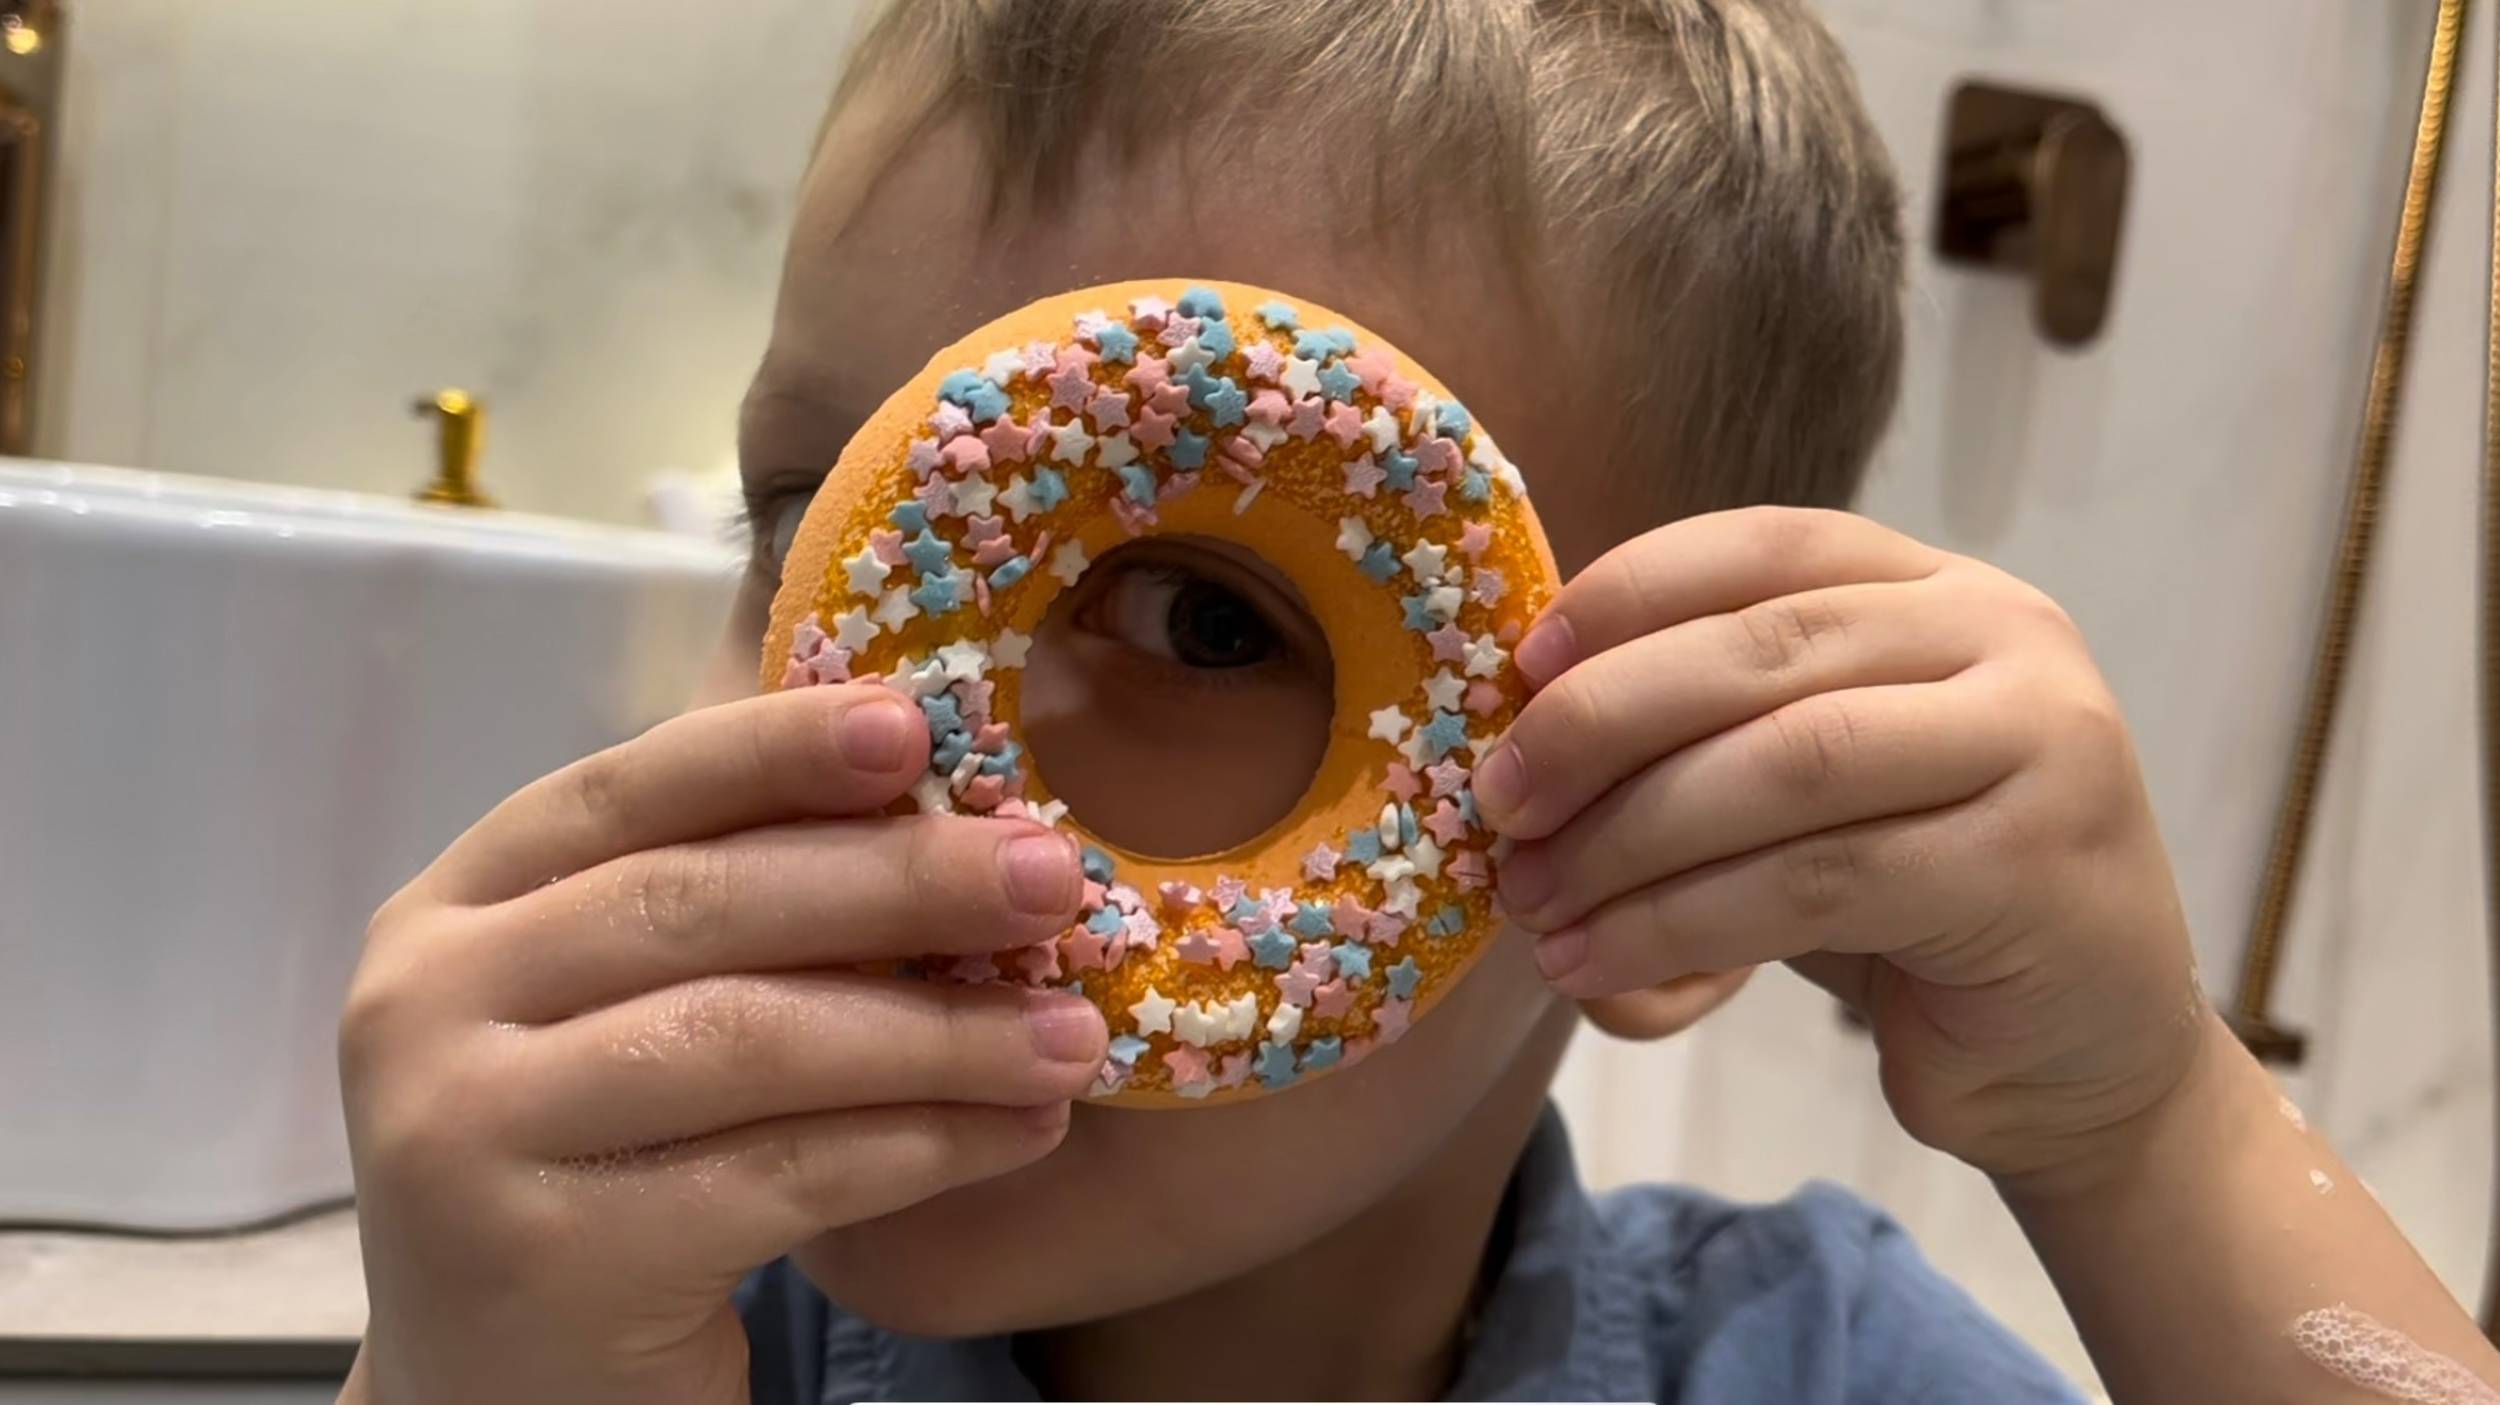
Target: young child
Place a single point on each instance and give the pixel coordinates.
(609, 1055)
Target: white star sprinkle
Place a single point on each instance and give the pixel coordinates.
(1003, 366)
(1484, 657)
(895, 609)
(1241, 1016)
(972, 496)
(1388, 724)
(1391, 868)
(1421, 411)
(1443, 690)
(1300, 376)
(1115, 451)
(1018, 499)
(867, 573)
(1048, 814)
(1068, 562)
(965, 661)
(1266, 436)
(922, 680)
(1190, 355)
(1353, 538)
(1069, 442)
(1426, 560)
(853, 630)
(1383, 429)
(1195, 1024)
(1425, 855)
(1008, 649)
(1285, 1023)
(1443, 601)
(930, 794)
(1415, 750)
(1153, 1012)
(1403, 898)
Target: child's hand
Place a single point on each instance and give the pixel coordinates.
(604, 1057)
(1797, 736)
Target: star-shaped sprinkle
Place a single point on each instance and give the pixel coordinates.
(1278, 314)
(1383, 429)
(1070, 387)
(1117, 343)
(1353, 962)
(1190, 355)
(1400, 781)
(1449, 644)
(895, 609)
(1285, 1023)
(1300, 376)
(1445, 732)
(1485, 657)
(1308, 415)
(1333, 1000)
(1443, 690)
(1149, 310)
(1362, 477)
(1272, 949)
(1426, 560)
(1446, 824)
(1108, 409)
(1115, 452)
(853, 630)
(940, 594)
(1475, 539)
(1275, 1064)
(1143, 930)
(1150, 374)
(1197, 948)
(1039, 962)
(964, 660)
(1336, 382)
(1425, 499)
(1002, 366)
(932, 498)
(1009, 648)
(923, 457)
(973, 496)
(888, 544)
(1069, 442)
(967, 455)
(1188, 1067)
(927, 552)
(1447, 777)
(1320, 864)
(1391, 1018)
(1153, 428)
(1127, 1048)
(1344, 425)
(1353, 537)
(1226, 405)
(931, 795)
(1018, 498)
(1483, 698)
(1403, 896)
(1153, 1012)
(1403, 978)
(1298, 983)
(950, 420)
(1388, 724)
(1347, 916)
(1230, 948)
(1068, 562)
(1264, 361)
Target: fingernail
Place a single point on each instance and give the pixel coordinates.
(1562, 953)
(1040, 873)
(1527, 880)
(1501, 783)
(1065, 1029)
(1547, 651)
(875, 735)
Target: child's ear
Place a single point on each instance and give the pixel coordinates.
(1669, 1007)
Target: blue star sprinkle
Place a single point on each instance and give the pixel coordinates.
(1323, 1053)
(1272, 949)
(1363, 846)
(1049, 489)
(1379, 562)
(1354, 961)
(1419, 617)
(1274, 1064)
(1117, 343)
(910, 516)
(1188, 451)
(1313, 346)
(1097, 864)
(949, 752)
(1202, 302)
(1139, 482)
(1445, 731)
(945, 714)
(1338, 383)
(1312, 919)
(987, 402)
(1226, 403)
(1279, 315)
(928, 554)
(1475, 486)
(1217, 338)
(1400, 466)
(1128, 1049)
(1403, 978)
(958, 385)
(1453, 419)
(1003, 762)
(1103, 921)
(940, 594)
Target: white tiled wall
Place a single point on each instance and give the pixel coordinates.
(283, 217)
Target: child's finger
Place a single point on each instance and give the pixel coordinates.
(792, 896)
(1621, 710)
(718, 1206)
(1828, 761)
(711, 1054)
(1869, 888)
(1709, 565)
(805, 753)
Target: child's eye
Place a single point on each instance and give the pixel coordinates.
(1173, 613)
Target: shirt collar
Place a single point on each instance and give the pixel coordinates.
(1550, 1325)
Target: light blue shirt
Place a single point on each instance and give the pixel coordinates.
(1652, 1293)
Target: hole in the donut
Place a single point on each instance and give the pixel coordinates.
(1178, 697)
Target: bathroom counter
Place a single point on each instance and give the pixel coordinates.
(283, 1302)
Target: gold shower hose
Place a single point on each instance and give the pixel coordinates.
(2251, 1007)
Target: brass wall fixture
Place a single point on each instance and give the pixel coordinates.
(31, 40)
(459, 437)
(2036, 185)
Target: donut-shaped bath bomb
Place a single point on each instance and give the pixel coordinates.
(982, 490)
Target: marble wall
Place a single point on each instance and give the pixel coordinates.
(282, 218)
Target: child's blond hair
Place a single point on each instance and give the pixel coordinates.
(1695, 176)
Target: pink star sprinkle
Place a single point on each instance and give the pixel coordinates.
(1108, 410)
(1111, 1077)
(1196, 948)
(1483, 699)
(1068, 354)
(1400, 781)
(980, 529)
(1357, 1050)
(1169, 399)
(1039, 962)
(1150, 374)
(1177, 330)
(1039, 357)
(966, 455)
(1188, 1066)
(1363, 477)
(991, 739)
(1470, 870)
(1007, 441)
(1230, 949)
(1475, 539)
(1447, 776)
(888, 544)
(1350, 917)
(796, 674)
(950, 420)
(936, 496)
(1309, 413)
(984, 792)
(1178, 485)
(1279, 903)
(1298, 983)
(1270, 407)
(1333, 999)
(1436, 457)
(1149, 312)
(1264, 361)
(1386, 928)
(1488, 587)
(1234, 1069)
(1320, 864)
(1070, 388)
(1344, 425)
(1449, 644)
(1446, 825)
(1228, 890)
(1153, 429)
(924, 457)
(972, 970)
(1397, 392)
(1092, 895)
(1391, 1019)
(1142, 931)
(976, 697)
(993, 552)
(1373, 365)
(1425, 498)
(1179, 895)
(1125, 898)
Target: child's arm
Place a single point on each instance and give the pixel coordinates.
(2188, 1256)
(1796, 736)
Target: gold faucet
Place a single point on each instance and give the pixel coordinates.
(460, 436)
